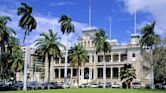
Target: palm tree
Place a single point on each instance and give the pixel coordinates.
(27, 23)
(78, 57)
(128, 73)
(17, 60)
(5, 31)
(6, 35)
(67, 27)
(48, 46)
(103, 46)
(148, 40)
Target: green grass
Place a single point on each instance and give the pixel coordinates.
(90, 90)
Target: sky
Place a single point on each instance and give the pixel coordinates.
(48, 12)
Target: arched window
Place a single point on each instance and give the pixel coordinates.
(88, 43)
(133, 55)
(85, 43)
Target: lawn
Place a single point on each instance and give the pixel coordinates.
(90, 90)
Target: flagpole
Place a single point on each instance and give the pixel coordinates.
(90, 12)
(110, 23)
(135, 22)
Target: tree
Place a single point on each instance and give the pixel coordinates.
(48, 46)
(149, 40)
(27, 23)
(102, 46)
(159, 58)
(5, 32)
(67, 27)
(6, 36)
(17, 60)
(78, 57)
(127, 73)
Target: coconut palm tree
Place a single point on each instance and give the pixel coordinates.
(128, 73)
(78, 57)
(6, 35)
(5, 31)
(27, 23)
(67, 27)
(102, 46)
(48, 46)
(17, 60)
(149, 40)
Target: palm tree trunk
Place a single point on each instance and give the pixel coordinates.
(49, 62)
(25, 66)
(66, 59)
(104, 71)
(78, 76)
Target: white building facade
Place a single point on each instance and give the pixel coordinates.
(92, 71)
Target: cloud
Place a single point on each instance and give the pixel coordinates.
(153, 7)
(62, 4)
(43, 24)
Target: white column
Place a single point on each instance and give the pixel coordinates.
(119, 73)
(111, 72)
(90, 58)
(90, 73)
(119, 57)
(59, 60)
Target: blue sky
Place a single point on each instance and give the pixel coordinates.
(47, 13)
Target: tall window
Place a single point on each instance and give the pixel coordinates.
(88, 44)
(108, 58)
(100, 58)
(108, 72)
(115, 58)
(88, 59)
(62, 73)
(123, 57)
(74, 72)
(63, 60)
(100, 72)
(115, 72)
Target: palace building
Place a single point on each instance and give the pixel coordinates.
(92, 71)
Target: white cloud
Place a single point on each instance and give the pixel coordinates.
(153, 7)
(62, 4)
(43, 24)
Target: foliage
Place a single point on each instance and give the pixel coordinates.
(6, 33)
(159, 58)
(149, 37)
(78, 55)
(27, 21)
(66, 24)
(127, 73)
(101, 43)
(18, 62)
(48, 46)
